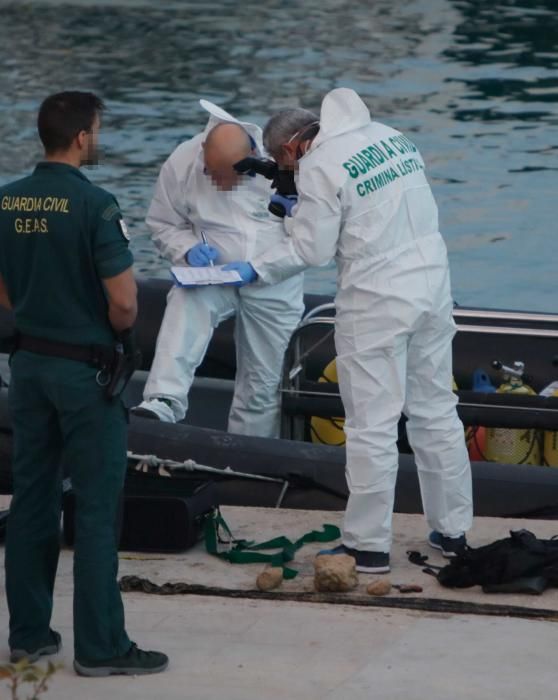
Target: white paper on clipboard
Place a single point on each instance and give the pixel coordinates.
(200, 276)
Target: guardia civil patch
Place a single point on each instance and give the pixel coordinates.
(124, 229)
(110, 212)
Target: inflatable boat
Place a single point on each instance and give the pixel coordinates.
(305, 468)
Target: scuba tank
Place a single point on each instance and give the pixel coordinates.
(514, 446)
(475, 435)
(328, 431)
(550, 440)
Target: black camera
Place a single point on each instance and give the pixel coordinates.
(282, 180)
(257, 166)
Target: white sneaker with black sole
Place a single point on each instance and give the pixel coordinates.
(155, 409)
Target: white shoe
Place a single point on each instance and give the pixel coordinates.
(158, 409)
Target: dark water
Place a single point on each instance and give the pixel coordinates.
(473, 82)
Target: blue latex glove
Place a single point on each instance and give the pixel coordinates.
(280, 203)
(201, 255)
(245, 270)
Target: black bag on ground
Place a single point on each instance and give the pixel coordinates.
(521, 563)
(156, 523)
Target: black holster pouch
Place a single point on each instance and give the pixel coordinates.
(127, 358)
(8, 344)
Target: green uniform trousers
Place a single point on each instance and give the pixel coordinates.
(60, 419)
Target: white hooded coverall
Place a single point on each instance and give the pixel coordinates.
(364, 199)
(239, 226)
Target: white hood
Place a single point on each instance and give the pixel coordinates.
(217, 115)
(342, 110)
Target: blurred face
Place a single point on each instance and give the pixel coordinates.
(220, 169)
(88, 142)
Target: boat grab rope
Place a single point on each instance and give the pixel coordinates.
(145, 462)
(298, 367)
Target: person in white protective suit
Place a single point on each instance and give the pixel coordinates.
(364, 200)
(204, 212)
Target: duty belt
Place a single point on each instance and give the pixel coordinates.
(98, 356)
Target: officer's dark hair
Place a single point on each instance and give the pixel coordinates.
(63, 115)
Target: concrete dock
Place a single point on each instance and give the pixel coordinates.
(224, 646)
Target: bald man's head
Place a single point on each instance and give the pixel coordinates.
(224, 146)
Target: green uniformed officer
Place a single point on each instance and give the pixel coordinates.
(65, 270)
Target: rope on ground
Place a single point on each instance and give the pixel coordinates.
(130, 584)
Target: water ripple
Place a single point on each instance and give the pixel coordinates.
(474, 83)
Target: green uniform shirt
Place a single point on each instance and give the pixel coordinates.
(59, 236)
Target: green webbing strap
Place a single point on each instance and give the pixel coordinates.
(247, 552)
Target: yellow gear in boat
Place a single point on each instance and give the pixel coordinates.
(550, 447)
(328, 431)
(513, 446)
(474, 436)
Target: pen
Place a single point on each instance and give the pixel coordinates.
(204, 239)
